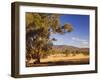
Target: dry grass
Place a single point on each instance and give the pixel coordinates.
(61, 59)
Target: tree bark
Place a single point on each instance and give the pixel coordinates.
(37, 58)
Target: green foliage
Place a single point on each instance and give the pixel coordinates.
(38, 29)
(85, 53)
(66, 52)
(68, 27)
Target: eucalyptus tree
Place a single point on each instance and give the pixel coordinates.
(39, 27)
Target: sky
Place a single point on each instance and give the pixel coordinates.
(79, 37)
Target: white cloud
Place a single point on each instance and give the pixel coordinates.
(78, 39)
(80, 42)
(84, 44)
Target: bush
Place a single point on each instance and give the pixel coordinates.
(86, 53)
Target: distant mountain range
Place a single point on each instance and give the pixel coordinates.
(71, 48)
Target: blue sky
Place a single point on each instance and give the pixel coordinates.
(79, 37)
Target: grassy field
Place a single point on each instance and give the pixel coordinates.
(60, 59)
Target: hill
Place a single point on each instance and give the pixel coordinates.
(70, 48)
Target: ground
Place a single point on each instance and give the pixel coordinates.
(60, 59)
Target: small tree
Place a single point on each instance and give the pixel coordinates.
(38, 29)
(77, 52)
(66, 52)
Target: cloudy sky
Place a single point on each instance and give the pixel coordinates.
(79, 37)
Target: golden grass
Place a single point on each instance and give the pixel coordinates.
(61, 57)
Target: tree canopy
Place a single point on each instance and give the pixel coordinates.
(39, 26)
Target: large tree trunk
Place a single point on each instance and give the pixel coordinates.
(37, 58)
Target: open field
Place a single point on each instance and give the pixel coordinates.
(60, 59)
